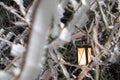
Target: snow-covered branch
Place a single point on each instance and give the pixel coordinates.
(36, 54)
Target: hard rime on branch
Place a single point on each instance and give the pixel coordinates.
(38, 38)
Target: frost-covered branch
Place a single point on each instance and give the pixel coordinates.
(22, 8)
(78, 15)
(29, 14)
(36, 55)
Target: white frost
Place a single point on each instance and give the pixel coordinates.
(62, 25)
(22, 8)
(17, 71)
(75, 4)
(17, 50)
(4, 76)
(65, 35)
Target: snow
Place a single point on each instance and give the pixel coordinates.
(65, 35)
(17, 50)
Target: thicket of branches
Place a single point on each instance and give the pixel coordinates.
(38, 39)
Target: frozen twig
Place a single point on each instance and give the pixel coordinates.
(7, 38)
(21, 5)
(29, 14)
(95, 35)
(34, 62)
(78, 14)
(65, 72)
(12, 10)
(53, 69)
(61, 7)
(97, 72)
(19, 23)
(77, 35)
(84, 73)
(1, 32)
(52, 54)
(10, 64)
(102, 14)
(56, 20)
(22, 36)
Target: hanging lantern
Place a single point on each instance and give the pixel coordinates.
(84, 54)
